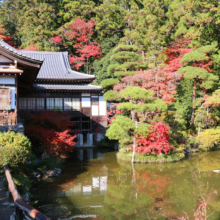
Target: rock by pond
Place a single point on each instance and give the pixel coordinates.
(52, 173)
(36, 175)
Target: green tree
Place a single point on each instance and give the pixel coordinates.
(71, 9)
(196, 68)
(110, 18)
(136, 104)
(10, 14)
(124, 61)
(101, 65)
(38, 25)
(148, 30)
(30, 22)
(183, 104)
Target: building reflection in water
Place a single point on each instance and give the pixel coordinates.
(92, 184)
(89, 154)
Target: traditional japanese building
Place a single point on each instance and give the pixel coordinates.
(32, 81)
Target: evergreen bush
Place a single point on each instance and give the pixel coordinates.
(15, 148)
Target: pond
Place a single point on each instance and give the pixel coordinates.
(94, 185)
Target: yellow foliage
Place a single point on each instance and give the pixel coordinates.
(209, 139)
(167, 116)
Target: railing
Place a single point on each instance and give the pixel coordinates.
(20, 205)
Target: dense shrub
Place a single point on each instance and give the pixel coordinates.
(209, 139)
(15, 148)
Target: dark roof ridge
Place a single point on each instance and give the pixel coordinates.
(16, 51)
(75, 87)
(45, 52)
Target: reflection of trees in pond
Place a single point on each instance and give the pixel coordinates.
(209, 163)
(132, 193)
(153, 180)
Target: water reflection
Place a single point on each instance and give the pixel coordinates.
(83, 154)
(94, 185)
(55, 211)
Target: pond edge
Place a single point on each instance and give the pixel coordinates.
(150, 159)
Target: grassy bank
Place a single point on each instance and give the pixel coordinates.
(163, 158)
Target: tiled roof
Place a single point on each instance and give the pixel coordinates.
(18, 52)
(56, 66)
(66, 87)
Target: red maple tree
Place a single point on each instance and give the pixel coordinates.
(52, 130)
(79, 33)
(56, 40)
(156, 141)
(32, 47)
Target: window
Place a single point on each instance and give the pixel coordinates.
(86, 123)
(22, 103)
(76, 123)
(95, 101)
(67, 104)
(40, 104)
(59, 104)
(76, 104)
(31, 103)
(86, 102)
(50, 103)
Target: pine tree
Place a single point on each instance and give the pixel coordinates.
(137, 105)
(10, 18)
(197, 68)
(38, 24)
(126, 61)
(110, 18)
(147, 29)
(71, 9)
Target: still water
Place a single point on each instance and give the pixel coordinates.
(94, 185)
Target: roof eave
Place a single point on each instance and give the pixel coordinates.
(65, 80)
(24, 60)
(66, 90)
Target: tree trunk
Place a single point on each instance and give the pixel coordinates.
(134, 144)
(134, 116)
(87, 66)
(193, 107)
(207, 119)
(143, 56)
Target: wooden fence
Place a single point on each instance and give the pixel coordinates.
(20, 205)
